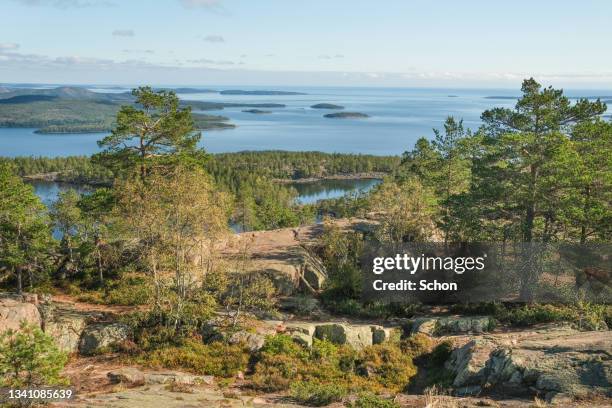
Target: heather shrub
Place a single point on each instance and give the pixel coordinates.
(387, 365)
(316, 394)
(370, 400)
(216, 359)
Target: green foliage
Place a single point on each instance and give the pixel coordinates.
(370, 400)
(129, 290)
(161, 129)
(30, 358)
(315, 394)
(216, 359)
(25, 233)
(281, 344)
(388, 365)
(72, 169)
(586, 316)
(441, 353)
(417, 344)
(59, 115)
(230, 168)
(407, 211)
(261, 204)
(374, 368)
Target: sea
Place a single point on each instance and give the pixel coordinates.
(398, 117)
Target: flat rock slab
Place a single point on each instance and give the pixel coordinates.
(159, 396)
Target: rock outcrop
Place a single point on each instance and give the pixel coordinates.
(434, 326)
(355, 335)
(556, 364)
(253, 341)
(66, 328)
(13, 311)
(97, 337)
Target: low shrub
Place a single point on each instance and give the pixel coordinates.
(355, 308)
(276, 372)
(441, 353)
(216, 359)
(387, 365)
(370, 400)
(587, 316)
(315, 394)
(30, 358)
(417, 345)
(130, 290)
(374, 368)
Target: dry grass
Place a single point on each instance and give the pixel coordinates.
(538, 403)
(180, 387)
(436, 398)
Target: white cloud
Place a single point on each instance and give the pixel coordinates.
(135, 51)
(329, 57)
(64, 4)
(204, 4)
(214, 38)
(8, 47)
(206, 61)
(123, 33)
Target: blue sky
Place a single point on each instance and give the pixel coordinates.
(316, 42)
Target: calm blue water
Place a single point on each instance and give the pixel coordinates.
(399, 116)
(310, 193)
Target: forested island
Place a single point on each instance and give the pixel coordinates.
(346, 115)
(158, 282)
(259, 93)
(327, 106)
(76, 110)
(256, 111)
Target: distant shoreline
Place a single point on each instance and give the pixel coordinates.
(351, 176)
(56, 177)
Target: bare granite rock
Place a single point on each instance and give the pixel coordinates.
(14, 311)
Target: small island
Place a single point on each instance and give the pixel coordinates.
(256, 111)
(346, 115)
(258, 93)
(326, 106)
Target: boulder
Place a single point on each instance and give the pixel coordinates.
(15, 311)
(434, 326)
(469, 361)
(425, 325)
(305, 328)
(253, 341)
(385, 334)
(97, 337)
(313, 271)
(469, 324)
(302, 339)
(66, 329)
(127, 375)
(358, 336)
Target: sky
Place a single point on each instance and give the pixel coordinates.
(412, 43)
